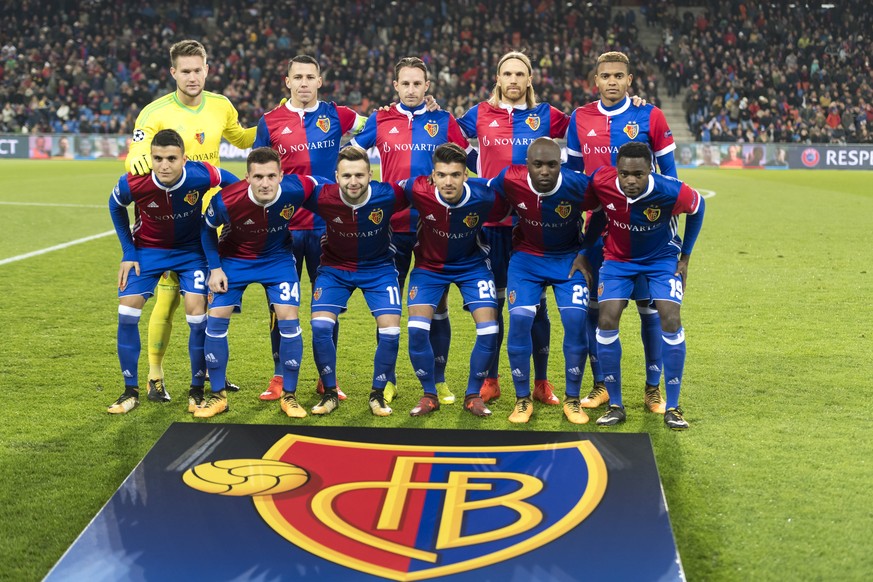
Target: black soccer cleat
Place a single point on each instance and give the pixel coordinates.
(158, 391)
(673, 419)
(614, 415)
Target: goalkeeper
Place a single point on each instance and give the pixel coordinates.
(202, 118)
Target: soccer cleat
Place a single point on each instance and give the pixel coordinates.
(522, 411)
(573, 411)
(230, 386)
(390, 391)
(614, 415)
(329, 403)
(673, 418)
(490, 389)
(157, 391)
(596, 398)
(654, 402)
(445, 395)
(291, 407)
(195, 398)
(474, 404)
(544, 392)
(215, 403)
(274, 390)
(125, 403)
(320, 390)
(427, 404)
(377, 403)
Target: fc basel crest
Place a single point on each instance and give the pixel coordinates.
(533, 122)
(323, 123)
(511, 297)
(471, 220)
(600, 290)
(652, 213)
(413, 291)
(376, 216)
(564, 209)
(192, 197)
(409, 512)
(632, 129)
(287, 212)
(200, 137)
(317, 293)
(431, 128)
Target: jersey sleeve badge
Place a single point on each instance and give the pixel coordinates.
(287, 212)
(632, 129)
(652, 213)
(192, 197)
(564, 209)
(376, 216)
(533, 122)
(431, 128)
(323, 123)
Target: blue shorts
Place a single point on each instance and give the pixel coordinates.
(618, 280)
(277, 274)
(476, 285)
(499, 241)
(529, 275)
(403, 243)
(333, 287)
(189, 265)
(307, 248)
(595, 257)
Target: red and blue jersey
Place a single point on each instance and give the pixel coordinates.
(406, 140)
(448, 234)
(308, 141)
(166, 217)
(357, 236)
(644, 228)
(596, 132)
(549, 223)
(253, 230)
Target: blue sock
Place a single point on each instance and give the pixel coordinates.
(482, 354)
(290, 352)
(196, 337)
(519, 347)
(609, 352)
(421, 352)
(324, 350)
(385, 360)
(575, 349)
(129, 344)
(591, 324)
(216, 348)
(674, 365)
(541, 334)
(650, 330)
(275, 338)
(495, 360)
(440, 341)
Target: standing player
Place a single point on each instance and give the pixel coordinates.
(545, 241)
(307, 133)
(406, 136)
(448, 251)
(201, 118)
(596, 132)
(356, 254)
(166, 237)
(254, 248)
(642, 211)
(506, 125)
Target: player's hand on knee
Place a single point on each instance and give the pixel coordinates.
(123, 272)
(142, 165)
(581, 265)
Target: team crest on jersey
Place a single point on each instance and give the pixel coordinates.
(632, 129)
(287, 212)
(192, 197)
(407, 512)
(376, 216)
(200, 137)
(564, 209)
(431, 128)
(471, 220)
(652, 213)
(323, 123)
(413, 291)
(511, 297)
(533, 122)
(317, 294)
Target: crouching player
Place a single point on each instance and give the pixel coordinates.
(254, 248)
(642, 211)
(450, 250)
(166, 237)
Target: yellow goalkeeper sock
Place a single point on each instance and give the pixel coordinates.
(161, 322)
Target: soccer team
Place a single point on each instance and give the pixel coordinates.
(506, 235)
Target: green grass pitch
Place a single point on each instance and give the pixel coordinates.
(772, 482)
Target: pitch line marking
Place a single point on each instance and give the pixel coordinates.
(709, 193)
(54, 205)
(56, 247)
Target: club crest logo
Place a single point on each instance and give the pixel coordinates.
(564, 209)
(209, 297)
(406, 512)
(192, 197)
(471, 220)
(533, 122)
(511, 296)
(600, 290)
(652, 213)
(200, 137)
(431, 128)
(317, 294)
(632, 129)
(323, 123)
(413, 291)
(376, 216)
(287, 212)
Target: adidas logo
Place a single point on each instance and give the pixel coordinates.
(494, 124)
(394, 130)
(655, 368)
(430, 217)
(610, 206)
(544, 351)
(286, 131)
(609, 378)
(575, 370)
(127, 374)
(674, 381)
(200, 374)
(292, 363)
(522, 206)
(338, 220)
(249, 221)
(594, 359)
(440, 359)
(592, 133)
(210, 357)
(153, 205)
(325, 371)
(381, 378)
(518, 373)
(420, 373)
(482, 374)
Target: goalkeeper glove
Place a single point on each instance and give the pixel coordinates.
(141, 165)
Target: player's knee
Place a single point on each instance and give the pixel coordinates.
(671, 323)
(419, 333)
(322, 329)
(217, 326)
(390, 334)
(487, 333)
(128, 315)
